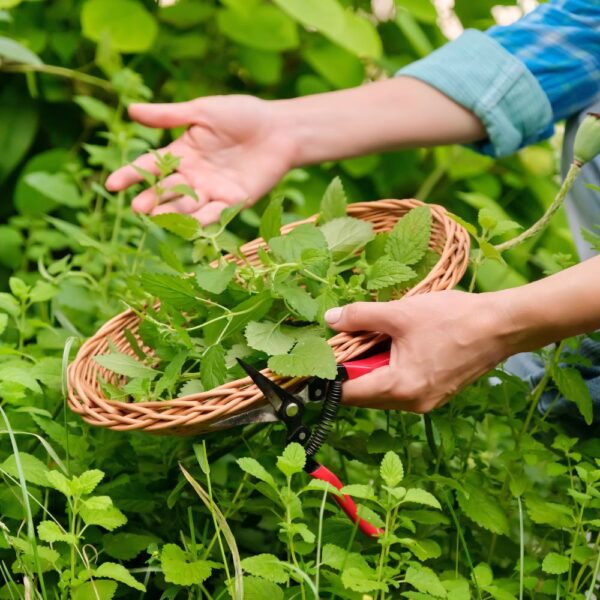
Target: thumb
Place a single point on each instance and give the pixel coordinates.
(362, 316)
(166, 116)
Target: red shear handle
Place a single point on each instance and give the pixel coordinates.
(356, 368)
(346, 503)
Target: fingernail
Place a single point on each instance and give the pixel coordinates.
(333, 315)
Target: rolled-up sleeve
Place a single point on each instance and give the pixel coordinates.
(522, 78)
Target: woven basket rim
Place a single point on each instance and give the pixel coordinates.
(233, 397)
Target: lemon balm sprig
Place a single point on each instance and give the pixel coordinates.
(586, 147)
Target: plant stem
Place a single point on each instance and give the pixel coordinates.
(319, 541)
(539, 389)
(521, 549)
(590, 593)
(60, 72)
(545, 219)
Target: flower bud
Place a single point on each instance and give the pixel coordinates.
(587, 139)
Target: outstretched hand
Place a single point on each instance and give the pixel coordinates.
(441, 342)
(233, 151)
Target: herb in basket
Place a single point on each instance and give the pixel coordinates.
(270, 313)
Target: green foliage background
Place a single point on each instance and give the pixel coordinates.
(68, 69)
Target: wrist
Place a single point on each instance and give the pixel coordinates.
(303, 123)
(521, 322)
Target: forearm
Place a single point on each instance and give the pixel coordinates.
(554, 308)
(386, 115)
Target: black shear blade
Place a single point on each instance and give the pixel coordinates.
(271, 391)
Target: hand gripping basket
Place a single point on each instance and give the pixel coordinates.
(194, 414)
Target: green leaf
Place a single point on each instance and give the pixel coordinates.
(289, 247)
(215, 280)
(95, 108)
(42, 291)
(346, 236)
(387, 272)
(256, 588)
(17, 374)
(555, 564)
(358, 490)
(342, 69)
(311, 356)
(409, 239)
(59, 482)
(34, 470)
(18, 287)
(543, 512)
(133, 31)
(184, 226)
(487, 218)
(123, 364)
(490, 252)
(425, 580)
(263, 27)
(334, 202)
(292, 460)
(252, 309)
(419, 496)
(172, 289)
(102, 589)
(422, 549)
(391, 470)
(125, 546)
(263, 66)
(504, 227)
(212, 367)
(343, 27)
(171, 374)
(354, 579)
(316, 260)
(3, 322)
(267, 566)
(99, 510)
(268, 337)
(299, 301)
(13, 52)
(483, 575)
(270, 222)
(180, 569)
(254, 468)
(572, 386)
(19, 119)
(87, 482)
(119, 573)
(9, 304)
(49, 531)
(483, 509)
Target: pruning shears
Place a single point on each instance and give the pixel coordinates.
(290, 408)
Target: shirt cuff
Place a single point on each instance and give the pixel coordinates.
(477, 72)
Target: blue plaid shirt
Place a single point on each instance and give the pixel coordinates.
(522, 78)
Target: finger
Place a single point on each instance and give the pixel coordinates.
(211, 212)
(183, 205)
(145, 201)
(363, 316)
(176, 114)
(125, 176)
(370, 390)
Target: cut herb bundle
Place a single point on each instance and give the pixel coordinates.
(198, 322)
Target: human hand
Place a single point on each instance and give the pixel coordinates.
(441, 342)
(234, 150)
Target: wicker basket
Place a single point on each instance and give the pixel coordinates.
(194, 413)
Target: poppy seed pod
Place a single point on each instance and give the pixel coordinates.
(587, 139)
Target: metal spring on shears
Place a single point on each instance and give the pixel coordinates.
(327, 418)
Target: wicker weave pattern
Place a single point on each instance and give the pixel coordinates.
(194, 413)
